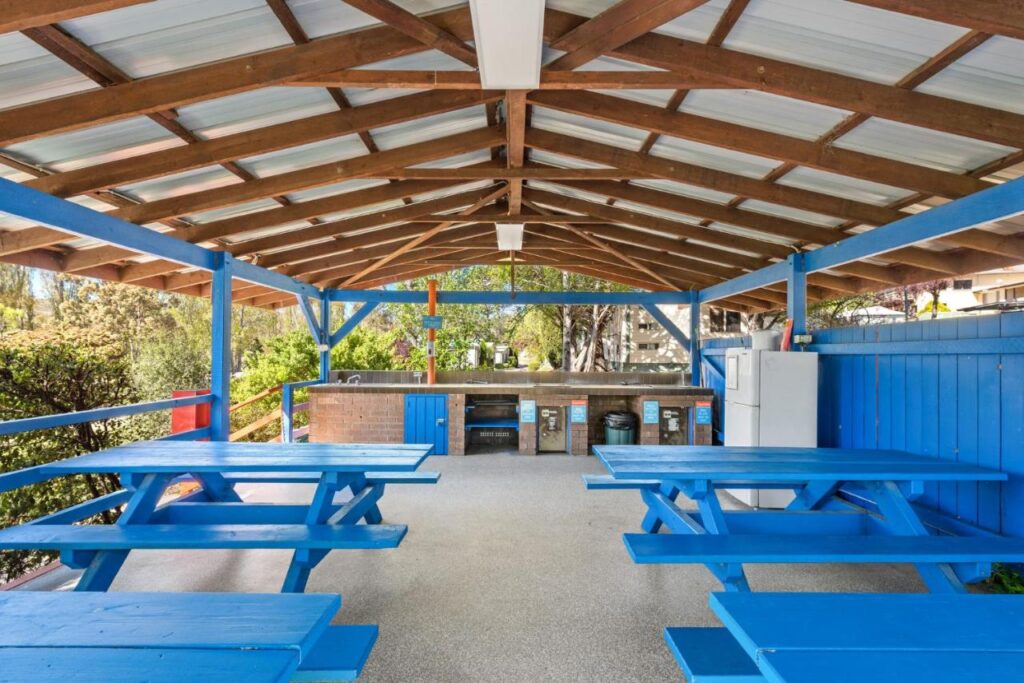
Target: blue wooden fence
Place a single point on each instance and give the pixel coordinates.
(951, 389)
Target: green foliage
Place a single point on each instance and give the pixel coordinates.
(49, 372)
(1006, 579)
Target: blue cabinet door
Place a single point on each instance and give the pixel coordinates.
(426, 420)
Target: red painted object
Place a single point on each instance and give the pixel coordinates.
(187, 418)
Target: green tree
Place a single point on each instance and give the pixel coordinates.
(45, 373)
(17, 303)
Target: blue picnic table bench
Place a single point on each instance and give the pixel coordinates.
(171, 637)
(852, 638)
(817, 526)
(215, 516)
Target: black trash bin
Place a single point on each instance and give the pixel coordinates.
(619, 428)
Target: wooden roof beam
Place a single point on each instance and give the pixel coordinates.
(999, 17)
(755, 72)
(417, 28)
(617, 25)
(217, 79)
(469, 80)
(18, 15)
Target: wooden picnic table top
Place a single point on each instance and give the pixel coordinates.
(725, 463)
(804, 637)
(159, 636)
(220, 456)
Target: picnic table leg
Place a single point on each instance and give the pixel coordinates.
(101, 567)
(814, 495)
(321, 508)
(373, 515)
(217, 488)
(731, 574)
(901, 520)
(652, 522)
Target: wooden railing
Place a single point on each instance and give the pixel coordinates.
(285, 412)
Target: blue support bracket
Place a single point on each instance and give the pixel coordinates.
(667, 323)
(796, 293)
(353, 320)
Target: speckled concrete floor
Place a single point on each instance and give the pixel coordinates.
(511, 571)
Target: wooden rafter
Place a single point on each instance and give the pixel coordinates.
(417, 28)
(209, 81)
(1001, 17)
(18, 15)
(515, 133)
(616, 26)
(426, 235)
(742, 70)
(468, 80)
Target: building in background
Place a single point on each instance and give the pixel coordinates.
(643, 344)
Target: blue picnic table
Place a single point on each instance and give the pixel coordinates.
(171, 637)
(851, 638)
(215, 516)
(816, 527)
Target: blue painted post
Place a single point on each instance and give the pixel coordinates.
(286, 413)
(796, 293)
(220, 353)
(324, 341)
(695, 362)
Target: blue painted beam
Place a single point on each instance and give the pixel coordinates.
(777, 272)
(324, 342)
(63, 419)
(667, 323)
(40, 207)
(796, 293)
(270, 278)
(220, 352)
(994, 204)
(307, 312)
(695, 363)
(507, 299)
(353, 320)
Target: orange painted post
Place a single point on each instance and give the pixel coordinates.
(431, 333)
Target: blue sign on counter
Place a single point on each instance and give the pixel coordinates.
(578, 412)
(432, 322)
(702, 415)
(528, 412)
(651, 412)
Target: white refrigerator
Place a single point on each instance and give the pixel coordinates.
(771, 399)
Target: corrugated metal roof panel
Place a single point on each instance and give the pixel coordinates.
(337, 188)
(96, 145)
(764, 111)
(587, 129)
(840, 36)
(541, 156)
(788, 212)
(196, 180)
(902, 142)
(467, 159)
(684, 190)
(325, 17)
(254, 109)
(728, 229)
(430, 128)
(28, 73)
(718, 158)
(698, 23)
(841, 186)
(233, 211)
(305, 156)
(158, 37)
(991, 74)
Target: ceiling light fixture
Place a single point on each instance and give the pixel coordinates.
(509, 37)
(510, 236)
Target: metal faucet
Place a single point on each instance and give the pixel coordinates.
(350, 379)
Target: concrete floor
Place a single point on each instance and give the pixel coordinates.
(511, 571)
